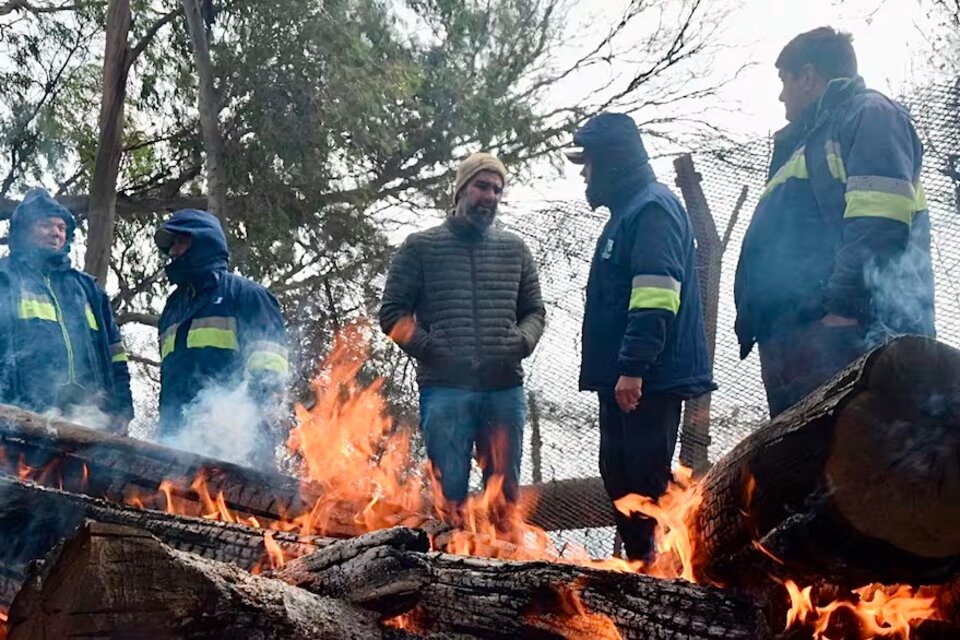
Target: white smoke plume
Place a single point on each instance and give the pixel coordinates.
(227, 424)
(89, 416)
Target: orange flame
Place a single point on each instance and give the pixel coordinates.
(578, 621)
(674, 513)
(880, 611)
(800, 604)
(274, 552)
(403, 330)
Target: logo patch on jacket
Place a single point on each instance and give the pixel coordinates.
(607, 250)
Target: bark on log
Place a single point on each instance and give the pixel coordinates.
(114, 581)
(33, 519)
(389, 572)
(860, 481)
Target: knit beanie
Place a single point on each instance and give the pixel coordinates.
(473, 165)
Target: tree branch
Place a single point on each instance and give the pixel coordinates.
(144, 42)
(22, 5)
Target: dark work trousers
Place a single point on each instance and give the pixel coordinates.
(801, 359)
(635, 453)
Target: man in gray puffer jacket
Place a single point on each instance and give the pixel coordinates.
(463, 299)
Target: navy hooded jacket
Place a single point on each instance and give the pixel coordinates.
(60, 347)
(842, 227)
(643, 315)
(216, 328)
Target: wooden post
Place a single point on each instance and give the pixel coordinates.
(695, 436)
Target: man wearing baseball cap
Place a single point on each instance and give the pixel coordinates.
(644, 345)
(463, 299)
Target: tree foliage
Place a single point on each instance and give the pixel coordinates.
(339, 118)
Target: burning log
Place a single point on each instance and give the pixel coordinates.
(115, 581)
(101, 464)
(859, 482)
(390, 572)
(33, 519)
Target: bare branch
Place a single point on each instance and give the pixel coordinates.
(144, 42)
(22, 5)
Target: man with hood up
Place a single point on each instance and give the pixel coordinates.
(60, 347)
(644, 345)
(217, 330)
(463, 299)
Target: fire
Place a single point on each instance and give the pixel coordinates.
(800, 604)
(576, 620)
(350, 449)
(274, 552)
(880, 611)
(674, 513)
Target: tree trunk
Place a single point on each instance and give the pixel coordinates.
(209, 106)
(860, 481)
(389, 572)
(34, 519)
(114, 581)
(103, 184)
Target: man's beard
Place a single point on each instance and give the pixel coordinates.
(481, 216)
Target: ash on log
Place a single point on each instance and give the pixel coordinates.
(390, 572)
(115, 581)
(859, 482)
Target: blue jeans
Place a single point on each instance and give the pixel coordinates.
(453, 420)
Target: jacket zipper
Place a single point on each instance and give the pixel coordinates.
(63, 329)
(476, 324)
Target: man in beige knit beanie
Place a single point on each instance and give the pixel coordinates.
(463, 299)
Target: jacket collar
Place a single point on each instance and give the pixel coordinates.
(628, 187)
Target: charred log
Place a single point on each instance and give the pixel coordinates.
(33, 519)
(388, 572)
(860, 481)
(114, 581)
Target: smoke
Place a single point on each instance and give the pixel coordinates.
(88, 415)
(902, 294)
(227, 423)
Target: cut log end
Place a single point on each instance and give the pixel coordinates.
(114, 581)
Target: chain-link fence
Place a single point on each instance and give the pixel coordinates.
(562, 431)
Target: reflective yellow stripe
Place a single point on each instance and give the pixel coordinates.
(118, 353)
(267, 361)
(91, 319)
(654, 298)
(795, 167)
(211, 337)
(167, 341)
(36, 310)
(877, 204)
(835, 161)
(921, 199)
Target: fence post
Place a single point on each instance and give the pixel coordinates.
(695, 436)
(536, 438)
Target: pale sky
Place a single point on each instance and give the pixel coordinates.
(888, 38)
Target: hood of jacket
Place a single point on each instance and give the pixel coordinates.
(208, 253)
(619, 163)
(36, 205)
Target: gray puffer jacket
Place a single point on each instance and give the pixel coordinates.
(476, 301)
